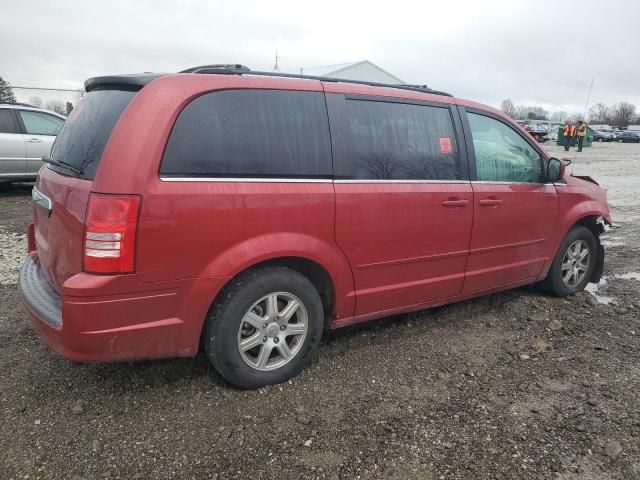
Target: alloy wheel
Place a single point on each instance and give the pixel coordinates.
(273, 331)
(575, 263)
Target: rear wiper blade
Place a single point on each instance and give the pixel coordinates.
(48, 159)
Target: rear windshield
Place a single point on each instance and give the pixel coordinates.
(84, 135)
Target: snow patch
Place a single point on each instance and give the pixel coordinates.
(613, 242)
(629, 276)
(593, 289)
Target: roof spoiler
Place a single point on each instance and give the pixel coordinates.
(120, 82)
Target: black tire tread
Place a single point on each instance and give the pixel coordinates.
(553, 282)
(235, 292)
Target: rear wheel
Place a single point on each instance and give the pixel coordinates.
(619, 140)
(264, 328)
(574, 263)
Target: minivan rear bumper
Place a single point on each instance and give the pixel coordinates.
(117, 318)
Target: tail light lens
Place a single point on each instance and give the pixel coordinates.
(110, 233)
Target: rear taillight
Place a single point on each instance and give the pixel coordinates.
(110, 233)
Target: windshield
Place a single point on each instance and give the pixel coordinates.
(84, 135)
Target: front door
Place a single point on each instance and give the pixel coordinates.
(12, 149)
(40, 131)
(404, 204)
(514, 210)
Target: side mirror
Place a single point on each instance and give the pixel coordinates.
(555, 170)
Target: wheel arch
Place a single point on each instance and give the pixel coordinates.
(593, 222)
(320, 260)
(315, 272)
(597, 227)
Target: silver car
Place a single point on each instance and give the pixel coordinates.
(26, 135)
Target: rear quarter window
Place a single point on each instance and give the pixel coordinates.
(86, 131)
(251, 133)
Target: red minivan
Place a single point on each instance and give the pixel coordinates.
(246, 212)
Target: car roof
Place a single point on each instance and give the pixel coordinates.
(24, 106)
(137, 81)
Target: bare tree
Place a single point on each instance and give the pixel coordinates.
(57, 106)
(623, 113)
(509, 108)
(537, 113)
(574, 117)
(558, 116)
(35, 101)
(380, 166)
(600, 114)
(523, 112)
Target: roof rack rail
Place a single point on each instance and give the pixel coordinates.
(220, 66)
(237, 69)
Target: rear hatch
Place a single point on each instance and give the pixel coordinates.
(67, 184)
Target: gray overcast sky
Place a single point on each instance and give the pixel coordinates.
(534, 52)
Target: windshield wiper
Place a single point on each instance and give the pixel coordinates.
(48, 159)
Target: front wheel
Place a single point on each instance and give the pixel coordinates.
(601, 139)
(620, 140)
(264, 327)
(574, 263)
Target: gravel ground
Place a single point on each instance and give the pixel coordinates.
(513, 385)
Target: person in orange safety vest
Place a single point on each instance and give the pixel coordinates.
(582, 132)
(569, 133)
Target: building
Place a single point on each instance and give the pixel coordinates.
(363, 71)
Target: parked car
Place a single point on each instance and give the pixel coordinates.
(26, 135)
(599, 136)
(629, 137)
(617, 134)
(246, 212)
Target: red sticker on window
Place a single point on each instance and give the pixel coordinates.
(445, 145)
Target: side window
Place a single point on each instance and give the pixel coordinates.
(502, 155)
(251, 133)
(36, 123)
(396, 141)
(6, 122)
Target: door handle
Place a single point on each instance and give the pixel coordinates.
(34, 140)
(489, 202)
(455, 202)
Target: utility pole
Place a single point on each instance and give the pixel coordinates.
(276, 68)
(586, 105)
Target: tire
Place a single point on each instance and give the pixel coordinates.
(619, 140)
(601, 140)
(557, 282)
(244, 314)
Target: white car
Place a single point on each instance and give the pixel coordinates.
(26, 135)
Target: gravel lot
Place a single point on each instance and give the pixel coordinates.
(514, 385)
